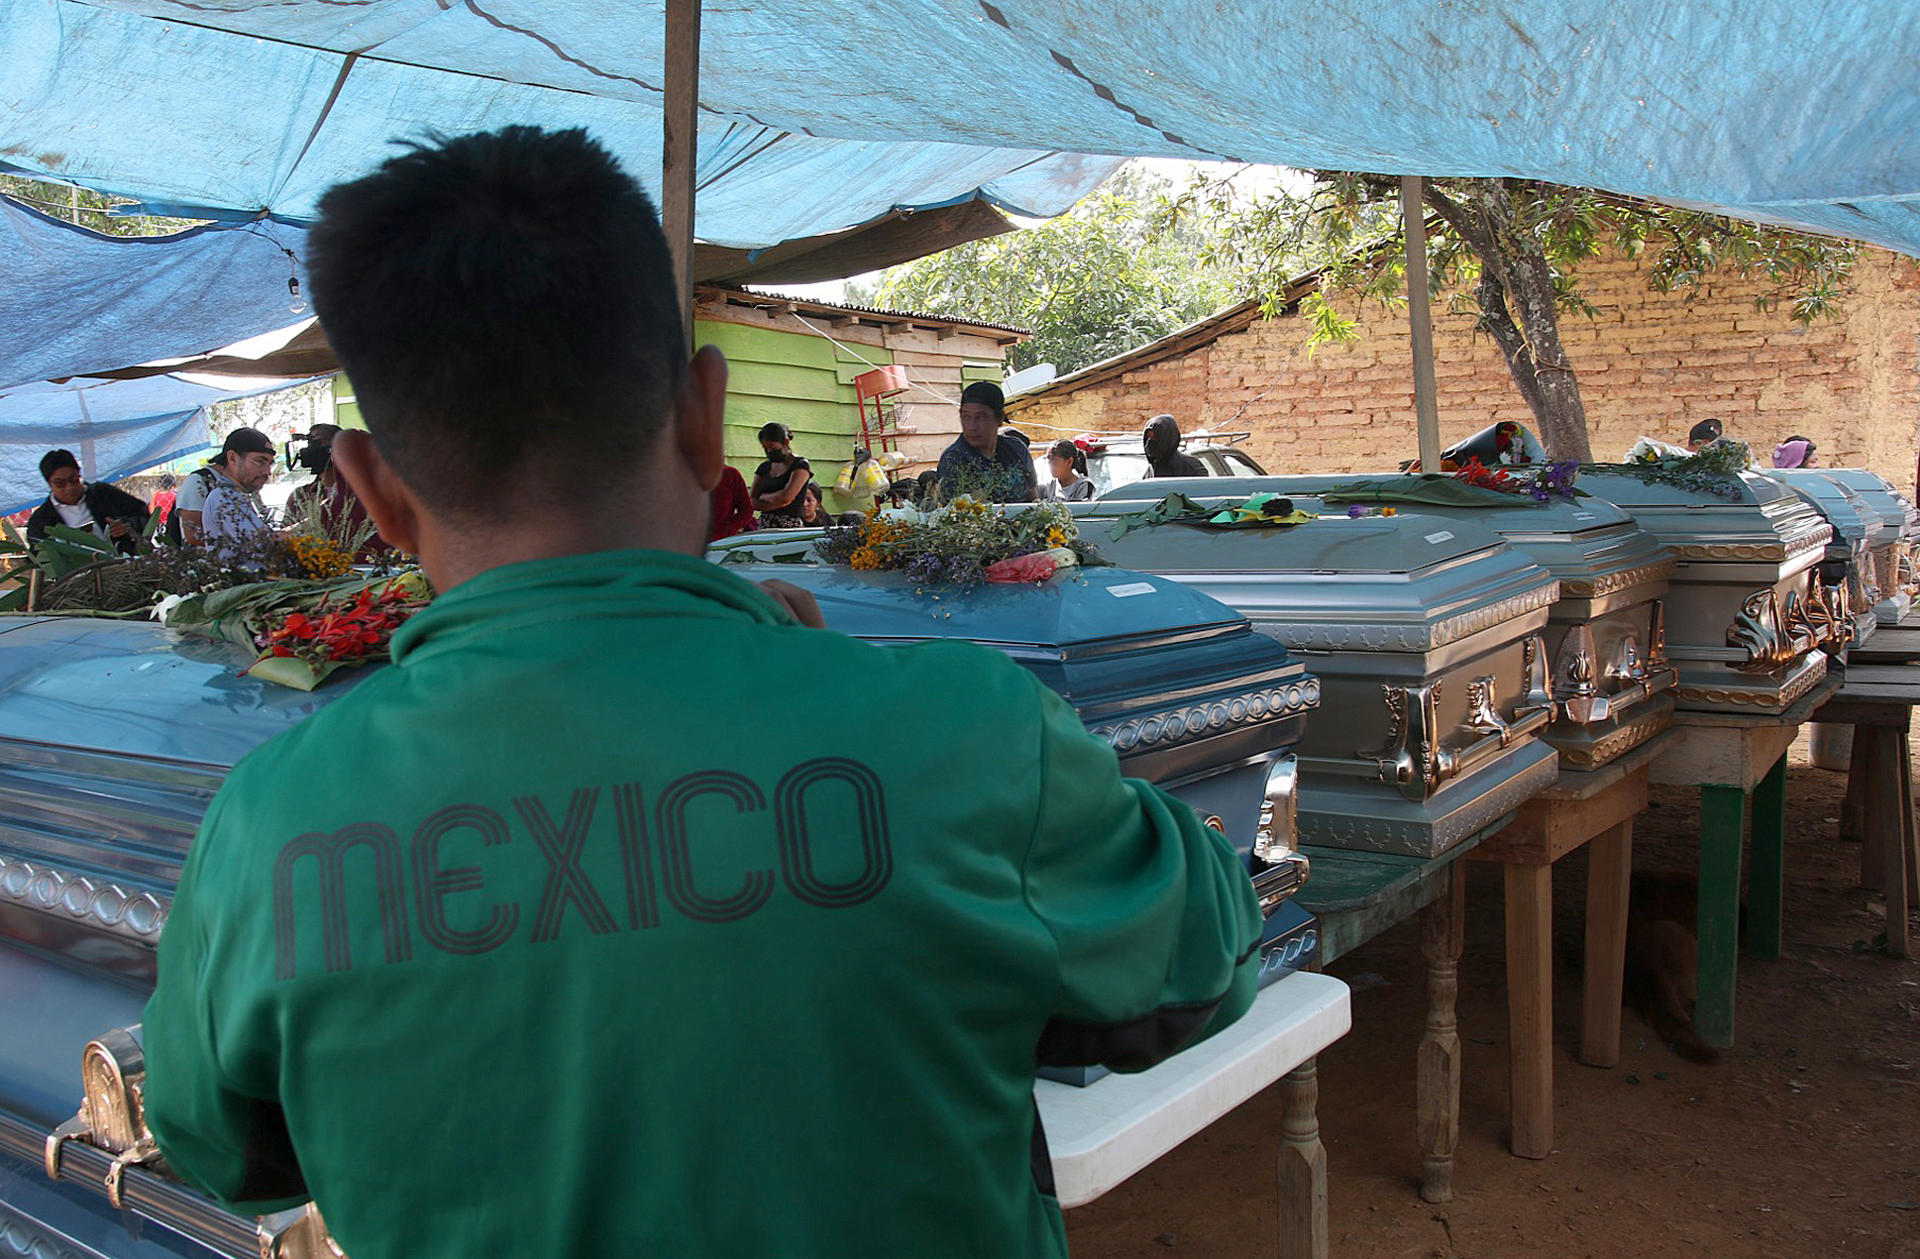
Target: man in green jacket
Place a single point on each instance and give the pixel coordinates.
(561, 935)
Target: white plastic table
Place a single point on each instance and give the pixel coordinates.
(1101, 1134)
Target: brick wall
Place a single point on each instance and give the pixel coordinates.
(1650, 363)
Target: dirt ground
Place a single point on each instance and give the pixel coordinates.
(1800, 1142)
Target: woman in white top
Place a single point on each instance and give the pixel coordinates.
(1069, 465)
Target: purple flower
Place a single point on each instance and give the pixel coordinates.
(1356, 511)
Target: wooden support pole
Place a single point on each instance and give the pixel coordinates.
(679, 148)
(1303, 1166)
(1529, 906)
(1767, 879)
(1723, 815)
(1426, 402)
(1609, 880)
(1437, 1071)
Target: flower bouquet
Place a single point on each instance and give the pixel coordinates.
(1540, 482)
(304, 630)
(1714, 470)
(962, 544)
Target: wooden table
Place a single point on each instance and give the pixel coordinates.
(1890, 644)
(1101, 1134)
(1877, 701)
(1731, 757)
(1356, 896)
(1592, 809)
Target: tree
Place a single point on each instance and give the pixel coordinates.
(1508, 248)
(88, 208)
(1094, 282)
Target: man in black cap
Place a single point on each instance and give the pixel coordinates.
(983, 461)
(97, 507)
(1162, 442)
(245, 462)
(1705, 433)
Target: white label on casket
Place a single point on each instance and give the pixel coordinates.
(1442, 536)
(1583, 515)
(1132, 588)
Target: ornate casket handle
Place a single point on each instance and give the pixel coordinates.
(1417, 762)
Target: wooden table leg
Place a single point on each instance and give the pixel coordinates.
(1851, 810)
(1530, 1007)
(1904, 773)
(1303, 1166)
(1869, 764)
(1722, 829)
(1885, 803)
(1609, 876)
(1437, 1105)
(1766, 883)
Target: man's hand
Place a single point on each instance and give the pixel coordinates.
(116, 528)
(796, 601)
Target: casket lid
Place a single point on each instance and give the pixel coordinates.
(1412, 581)
(135, 688)
(1852, 517)
(1105, 638)
(1896, 513)
(1759, 515)
(1584, 541)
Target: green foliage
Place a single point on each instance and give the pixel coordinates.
(88, 208)
(1099, 280)
(1347, 227)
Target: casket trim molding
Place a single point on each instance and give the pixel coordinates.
(1789, 549)
(136, 915)
(1619, 742)
(1372, 834)
(1613, 583)
(1177, 725)
(1771, 700)
(21, 1234)
(1311, 636)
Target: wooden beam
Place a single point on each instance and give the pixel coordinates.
(1426, 404)
(679, 147)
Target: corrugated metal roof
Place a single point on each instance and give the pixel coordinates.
(879, 313)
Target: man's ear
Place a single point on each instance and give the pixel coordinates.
(699, 417)
(395, 511)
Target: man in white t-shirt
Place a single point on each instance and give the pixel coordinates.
(245, 462)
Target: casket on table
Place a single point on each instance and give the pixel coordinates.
(1428, 639)
(1849, 572)
(1609, 675)
(1893, 553)
(1747, 618)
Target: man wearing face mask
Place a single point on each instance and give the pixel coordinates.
(98, 508)
(983, 461)
(1162, 442)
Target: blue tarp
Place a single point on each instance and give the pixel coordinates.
(115, 427)
(73, 301)
(816, 114)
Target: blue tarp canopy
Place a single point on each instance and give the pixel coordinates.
(818, 114)
(115, 428)
(73, 301)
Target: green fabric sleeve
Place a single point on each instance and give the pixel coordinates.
(1152, 912)
(231, 1144)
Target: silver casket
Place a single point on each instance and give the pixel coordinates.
(1894, 552)
(1428, 637)
(1606, 643)
(1857, 534)
(1747, 617)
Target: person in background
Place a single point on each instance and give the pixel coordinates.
(1795, 452)
(513, 897)
(1161, 441)
(1705, 433)
(813, 508)
(1068, 463)
(729, 506)
(983, 461)
(904, 492)
(163, 501)
(232, 517)
(247, 453)
(928, 496)
(106, 511)
(317, 457)
(778, 481)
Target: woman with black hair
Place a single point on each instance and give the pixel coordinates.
(1069, 466)
(778, 482)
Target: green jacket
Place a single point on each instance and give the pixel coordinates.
(569, 934)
